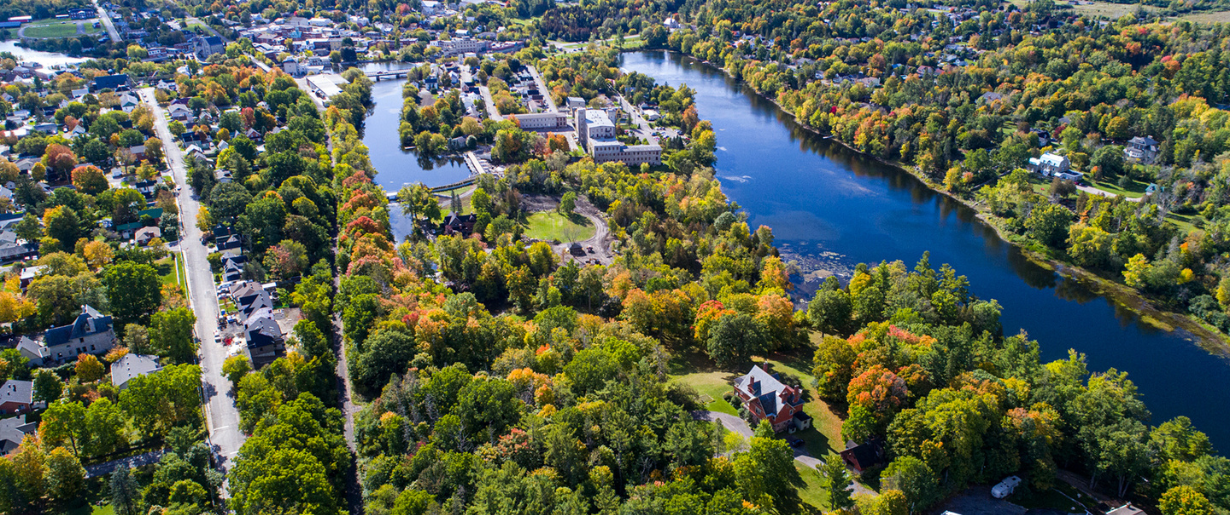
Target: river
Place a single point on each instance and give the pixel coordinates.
(398, 167)
(831, 208)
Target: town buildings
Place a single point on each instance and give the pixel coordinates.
(596, 135)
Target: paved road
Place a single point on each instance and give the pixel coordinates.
(221, 414)
(542, 88)
(133, 462)
(644, 131)
(492, 112)
(105, 18)
(1095, 191)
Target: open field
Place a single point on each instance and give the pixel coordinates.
(56, 28)
(549, 225)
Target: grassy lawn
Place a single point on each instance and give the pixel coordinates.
(1183, 221)
(1134, 190)
(549, 225)
(53, 29)
(813, 493)
(167, 268)
(1053, 499)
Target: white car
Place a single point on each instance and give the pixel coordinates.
(1005, 487)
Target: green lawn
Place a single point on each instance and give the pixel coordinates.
(549, 225)
(1134, 190)
(1183, 221)
(56, 29)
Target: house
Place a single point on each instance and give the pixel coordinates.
(145, 235)
(864, 456)
(459, 224)
(291, 66)
(1126, 509)
(205, 46)
(1142, 149)
(119, 82)
(132, 366)
(767, 398)
(13, 431)
(575, 102)
(16, 397)
(90, 333)
(1049, 164)
(264, 337)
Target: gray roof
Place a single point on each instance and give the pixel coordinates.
(17, 391)
(12, 431)
(764, 387)
(31, 348)
(131, 366)
(89, 322)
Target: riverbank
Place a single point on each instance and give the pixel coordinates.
(1183, 325)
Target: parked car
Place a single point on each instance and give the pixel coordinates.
(795, 441)
(1005, 487)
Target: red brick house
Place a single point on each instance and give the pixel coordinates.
(768, 398)
(16, 397)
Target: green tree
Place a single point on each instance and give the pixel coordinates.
(1184, 500)
(65, 477)
(889, 502)
(836, 482)
(734, 339)
(133, 289)
(125, 491)
(235, 367)
(47, 386)
(567, 203)
(913, 478)
(171, 334)
(1048, 224)
(104, 428)
(64, 421)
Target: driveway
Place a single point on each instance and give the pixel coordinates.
(600, 241)
(222, 417)
(738, 425)
(1095, 191)
(133, 462)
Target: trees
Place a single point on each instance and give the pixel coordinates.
(1048, 223)
(133, 289)
(89, 369)
(734, 339)
(171, 334)
(89, 179)
(836, 480)
(155, 403)
(65, 477)
(1184, 500)
(235, 367)
(47, 386)
(64, 422)
(913, 478)
(125, 492)
(62, 224)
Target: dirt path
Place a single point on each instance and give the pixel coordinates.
(600, 241)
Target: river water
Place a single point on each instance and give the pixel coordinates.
(831, 208)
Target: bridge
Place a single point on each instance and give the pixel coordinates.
(388, 75)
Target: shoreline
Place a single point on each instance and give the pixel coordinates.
(1211, 340)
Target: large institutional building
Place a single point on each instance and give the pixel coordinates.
(596, 134)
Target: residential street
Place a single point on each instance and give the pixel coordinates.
(106, 22)
(221, 414)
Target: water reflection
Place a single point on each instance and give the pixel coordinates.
(831, 208)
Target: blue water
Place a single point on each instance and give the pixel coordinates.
(831, 208)
(398, 167)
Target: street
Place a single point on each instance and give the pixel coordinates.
(222, 417)
(105, 18)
